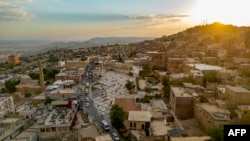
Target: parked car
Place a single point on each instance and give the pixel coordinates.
(105, 125)
(87, 99)
(115, 136)
(87, 104)
(84, 125)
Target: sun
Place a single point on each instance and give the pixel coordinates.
(225, 11)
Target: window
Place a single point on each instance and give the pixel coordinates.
(131, 125)
(53, 129)
(42, 130)
(134, 124)
(65, 128)
(48, 129)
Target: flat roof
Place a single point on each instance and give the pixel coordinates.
(39, 97)
(64, 91)
(139, 116)
(159, 127)
(56, 103)
(203, 67)
(237, 89)
(180, 92)
(202, 138)
(9, 120)
(196, 72)
(60, 82)
(128, 104)
(61, 91)
(179, 59)
(244, 107)
(216, 112)
(159, 104)
(57, 116)
(188, 85)
(106, 137)
(178, 75)
(152, 52)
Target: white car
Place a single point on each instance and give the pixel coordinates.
(87, 99)
(115, 136)
(87, 104)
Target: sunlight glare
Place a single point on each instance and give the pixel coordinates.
(225, 11)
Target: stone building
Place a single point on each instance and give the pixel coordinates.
(211, 115)
(181, 102)
(13, 59)
(6, 105)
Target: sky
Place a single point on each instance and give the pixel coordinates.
(85, 19)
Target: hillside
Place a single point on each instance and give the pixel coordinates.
(228, 36)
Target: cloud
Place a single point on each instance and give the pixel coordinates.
(16, 0)
(155, 16)
(10, 12)
(156, 20)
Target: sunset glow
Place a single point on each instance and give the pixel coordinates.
(85, 19)
(234, 12)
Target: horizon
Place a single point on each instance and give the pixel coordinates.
(77, 20)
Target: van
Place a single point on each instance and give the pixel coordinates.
(105, 125)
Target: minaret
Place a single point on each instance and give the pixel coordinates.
(40, 66)
(62, 55)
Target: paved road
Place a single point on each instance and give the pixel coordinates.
(91, 109)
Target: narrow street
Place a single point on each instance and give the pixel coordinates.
(91, 110)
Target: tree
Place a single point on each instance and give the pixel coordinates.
(117, 116)
(48, 100)
(216, 134)
(53, 58)
(50, 73)
(166, 88)
(129, 85)
(166, 91)
(148, 89)
(145, 99)
(10, 85)
(34, 75)
(28, 94)
(210, 77)
(165, 81)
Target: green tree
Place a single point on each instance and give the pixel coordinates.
(4, 90)
(50, 73)
(28, 94)
(129, 85)
(146, 67)
(53, 58)
(145, 99)
(165, 81)
(117, 116)
(148, 89)
(10, 85)
(216, 134)
(210, 77)
(34, 75)
(48, 100)
(166, 91)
